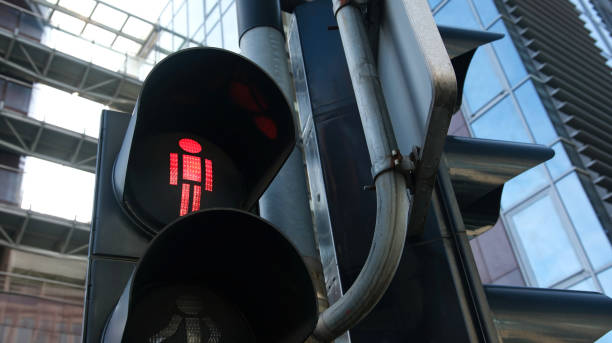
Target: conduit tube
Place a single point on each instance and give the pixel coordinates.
(392, 199)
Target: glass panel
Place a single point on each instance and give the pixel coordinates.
(230, 30)
(109, 16)
(199, 35)
(212, 19)
(214, 37)
(210, 4)
(165, 40)
(180, 22)
(506, 51)
(605, 278)
(535, 114)
(585, 285)
(98, 35)
(457, 13)
(225, 4)
(560, 163)
(137, 28)
(522, 186)
(67, 23)
(166, 17)
(196, 16)
(546, 244)
(585, 221)
(487, 11)
(481, 82)
(434, 3)
(501, 122)
(125, 45)
(82, 7)
(177, 42)
(607, 338)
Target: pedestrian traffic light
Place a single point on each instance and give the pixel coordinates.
(210, 129)
(208, 133)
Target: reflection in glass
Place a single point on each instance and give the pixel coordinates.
(481, 82)
(457, 13)
(486, 10)
(585, 221)
(535, 114)
(560, 163)
(547, 246)
(585, 285)
(501, 122)
(522, 186)
(434, 3)
(506, 51)
(605, 279)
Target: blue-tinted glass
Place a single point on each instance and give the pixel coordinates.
(212, 18)
(560, 163)
(605, 279)
(535, 114)
(486, 10)
(585, 221)
(433, 3)
(585, 285)
(522, 186)
(545, 241)
(196, 16)
(607, 338)
(457, 13)
(501, 122)
(509, 57)
(166, 17)
(481, 82)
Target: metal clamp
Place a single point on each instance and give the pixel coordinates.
(396, 161)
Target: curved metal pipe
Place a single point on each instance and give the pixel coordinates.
(392, 199)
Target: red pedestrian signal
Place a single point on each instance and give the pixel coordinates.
(191, 176)
(210, 129)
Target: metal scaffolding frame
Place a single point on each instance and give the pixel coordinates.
(42, 234)
(27, 136)
(30, 60)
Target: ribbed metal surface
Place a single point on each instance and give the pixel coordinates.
(575, 75)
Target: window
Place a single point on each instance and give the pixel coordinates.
(486, 10)
(501, 122)
(506, 52)
(560, 163)
(585, 285)
(535, 114)
(582, 215)
(522, 186)
(457, 13)
(481, 82)
(545, 242)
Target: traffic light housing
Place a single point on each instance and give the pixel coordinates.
(209, 132)
(219, 114)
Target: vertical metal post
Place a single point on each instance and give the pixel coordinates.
(285, 203)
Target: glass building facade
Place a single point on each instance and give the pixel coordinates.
(555, 234)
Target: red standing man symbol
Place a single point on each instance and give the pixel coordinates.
(192, 174)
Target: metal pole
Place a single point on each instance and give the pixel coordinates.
(392, 199)
(285, 203)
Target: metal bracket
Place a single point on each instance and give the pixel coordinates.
(396, 161)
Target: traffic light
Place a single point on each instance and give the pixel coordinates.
(172, 225)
